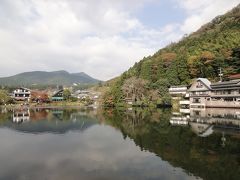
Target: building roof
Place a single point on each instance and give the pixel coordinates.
(179, 86)
(82, 92)
(205, 81)
(23, 88)
(35, 94)
(226, 84)
(57, 93)
(234, 76)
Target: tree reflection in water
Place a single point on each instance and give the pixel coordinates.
(216, 156)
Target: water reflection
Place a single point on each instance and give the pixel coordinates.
(119, 144)
(183, 139)
(50, 120)
(20, 116)
(205, 121)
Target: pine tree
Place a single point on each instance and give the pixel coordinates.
(182, 70)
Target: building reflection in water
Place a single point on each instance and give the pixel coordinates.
(206, 121)
(21, 115)
(49, 120)
(26, 115)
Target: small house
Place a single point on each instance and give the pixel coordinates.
(58, 96)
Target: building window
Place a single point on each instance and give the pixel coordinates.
(229, 99)
(196, 100)
(199, 84)
(196, 113)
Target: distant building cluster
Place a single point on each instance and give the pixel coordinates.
(27, 95)
(85, 94)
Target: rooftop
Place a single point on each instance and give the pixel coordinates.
(234, 76)
(205, 81)
(180, 86)
(226, 84)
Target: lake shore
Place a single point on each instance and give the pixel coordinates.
(46, 105)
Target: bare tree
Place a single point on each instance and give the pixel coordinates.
(135, 88)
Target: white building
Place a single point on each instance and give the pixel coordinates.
(199, 92)
(205, 94)
(178, 91)
(22, 94)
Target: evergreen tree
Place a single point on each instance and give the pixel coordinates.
(182, 70)
(146, 70)
(161, 72)
(172, 74)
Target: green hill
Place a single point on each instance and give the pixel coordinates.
(47, 78)
(200, 54)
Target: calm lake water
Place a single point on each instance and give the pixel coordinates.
(60, 144)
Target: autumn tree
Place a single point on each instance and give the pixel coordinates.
(168, 58)
(192, 64)
(135, 88)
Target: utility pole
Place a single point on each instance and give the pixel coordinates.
(220, 75)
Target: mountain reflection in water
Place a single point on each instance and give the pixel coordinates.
(119, 144)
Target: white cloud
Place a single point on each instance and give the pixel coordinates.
(201, 12)
(100, 37)
(78, 36)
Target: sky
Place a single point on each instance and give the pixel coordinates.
(102, 38)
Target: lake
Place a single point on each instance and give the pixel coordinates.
(119, 144)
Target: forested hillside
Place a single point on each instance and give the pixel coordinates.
(201, 54)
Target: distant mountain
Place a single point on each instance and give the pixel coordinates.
(47, 78)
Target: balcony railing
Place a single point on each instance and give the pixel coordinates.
(184, 102)
(203, 95)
